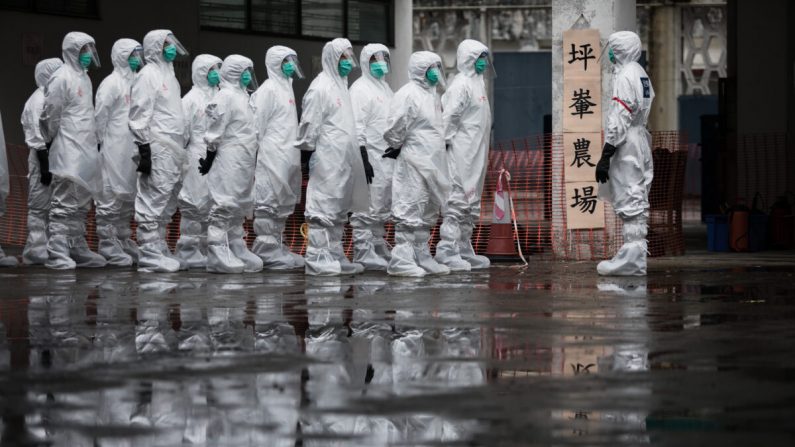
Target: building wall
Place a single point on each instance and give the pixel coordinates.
(762, 66)
(134, 19)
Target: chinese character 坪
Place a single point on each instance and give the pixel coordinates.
(583, 54)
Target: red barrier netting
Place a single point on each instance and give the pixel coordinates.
(537, 182)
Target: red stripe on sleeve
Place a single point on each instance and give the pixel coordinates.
(623, 104)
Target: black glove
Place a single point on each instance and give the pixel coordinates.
(391, 152)
(145, 161)
(99, 147)
(44, 167)
(447, 147)
(207, 162)
(368, 168)
(603, 167)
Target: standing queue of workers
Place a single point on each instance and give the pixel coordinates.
(232, 147)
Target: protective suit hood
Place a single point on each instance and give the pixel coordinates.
(153, 46)
(45, 69)
(419, 62)
(72, 44)
(201, 67)
(273, 62)
(332, 52)
(234, 66)
(364, 59)
(626, 47)
(468, 52)
(120, 54)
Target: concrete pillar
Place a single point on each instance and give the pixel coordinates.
(607, 16)
(664, 67)
(404, 40)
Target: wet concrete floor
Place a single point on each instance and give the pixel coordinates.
(702, 352)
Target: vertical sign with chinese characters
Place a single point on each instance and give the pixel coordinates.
(582, 127)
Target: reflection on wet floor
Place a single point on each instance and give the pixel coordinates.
(553, 355)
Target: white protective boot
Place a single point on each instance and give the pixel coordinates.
(78, 248)
(35, 251)
(58, 248)
(164, 246)
(237, 244)
(631, 257)
(468, 251)
(337, 250)
(189, 244)
(319, 259)
(448, 248)
(124, 233)
(382, 247)
(110, 247)
(83, 256)
(220, 258)
(151, 258)
(7, 261)
(403, 259)
(366, 249)
(423, 251)
(269, 246)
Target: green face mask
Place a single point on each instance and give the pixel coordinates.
(379, 69)
(611, 56)
(213, 79)
(288, 68)
(170, 53)
(245, 79)
(85, 60)
(481, 64)
(432, 76)
(345, 67)
(135, 63)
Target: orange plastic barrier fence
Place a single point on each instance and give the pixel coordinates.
(537, 180)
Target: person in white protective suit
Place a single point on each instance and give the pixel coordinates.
(116, 203)
(158, 127)
(5, 261)
(230, 160)
(467, 121)
(421, 181)
(67, 125)
(625, 170)
(39, 177)
(194, 198)
(337, 183)
(370, 95)
(278, 177)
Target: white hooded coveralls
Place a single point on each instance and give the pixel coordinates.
(39, 195)
(68, 120)
(631, 168)
(278, 179)
(232, 133)
(337, 183)
(156, 118)
(116, 202)
(371, 97)
(194, 198)
(421, 182)
(467, 121)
